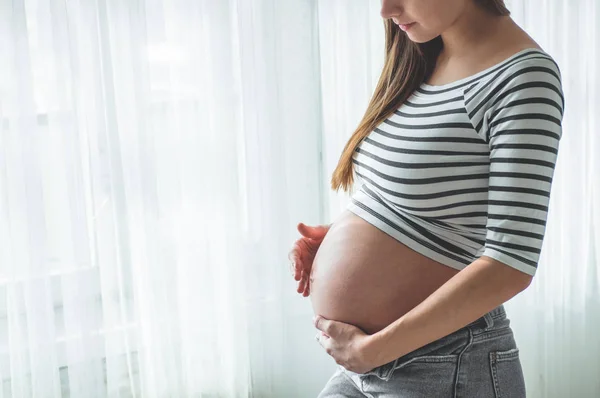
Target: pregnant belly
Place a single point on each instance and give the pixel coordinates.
(364, 277)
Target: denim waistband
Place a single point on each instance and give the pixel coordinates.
(487, 321)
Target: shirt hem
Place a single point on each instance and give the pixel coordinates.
(407, 241)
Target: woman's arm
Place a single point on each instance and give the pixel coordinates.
(479, 288)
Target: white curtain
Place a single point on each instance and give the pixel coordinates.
(557, 319)
(155, 157)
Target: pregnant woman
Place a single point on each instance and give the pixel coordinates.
(453, 161)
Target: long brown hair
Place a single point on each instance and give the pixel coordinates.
(406, 65)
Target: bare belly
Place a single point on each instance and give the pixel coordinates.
(365, 277)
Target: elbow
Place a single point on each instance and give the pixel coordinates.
(523, 282)
(514, 281)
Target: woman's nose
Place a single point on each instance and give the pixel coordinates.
(390, 8)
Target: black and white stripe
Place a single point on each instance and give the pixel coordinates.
(465, 169)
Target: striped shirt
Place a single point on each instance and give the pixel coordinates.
(465, 169)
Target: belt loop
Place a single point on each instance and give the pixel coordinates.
(489, 321)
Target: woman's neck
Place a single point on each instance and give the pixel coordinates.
(476, 31)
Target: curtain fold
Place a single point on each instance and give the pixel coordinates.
(557, 318)
(154, 159)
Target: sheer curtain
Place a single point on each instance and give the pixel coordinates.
(155, 157)
(556, 320)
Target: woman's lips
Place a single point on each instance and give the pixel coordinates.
(403, 26)
(406, 27)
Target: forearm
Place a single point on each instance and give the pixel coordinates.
(471, 293)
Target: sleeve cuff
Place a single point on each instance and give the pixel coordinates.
(510, 261)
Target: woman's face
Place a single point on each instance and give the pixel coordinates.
(423, 20)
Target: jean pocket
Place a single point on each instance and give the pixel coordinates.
(507, 374)
(426, 359)
(441, 352)
(423, 363)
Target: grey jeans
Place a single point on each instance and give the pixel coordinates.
(481, 360)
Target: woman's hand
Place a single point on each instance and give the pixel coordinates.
(348, 345)
(303, 253)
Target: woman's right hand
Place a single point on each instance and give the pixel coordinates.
(303, 253)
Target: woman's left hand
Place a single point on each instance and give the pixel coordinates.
(347, 344)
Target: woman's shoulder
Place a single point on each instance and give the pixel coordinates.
(530, 79)
(535, 57)
(530, 71)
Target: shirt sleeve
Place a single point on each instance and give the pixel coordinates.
(523, 127)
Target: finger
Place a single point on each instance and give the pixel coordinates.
(306, 291)
(324, 325)
(313, 232)
(296, 251)
(307, 288)
(297, 270)
(300, 288)
(307, 281)
(324, 343)
(294, 258)
(301, 285)
(293, 270)
(300, 270)
(293, 254)
(303, 281)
